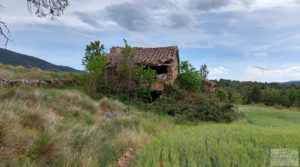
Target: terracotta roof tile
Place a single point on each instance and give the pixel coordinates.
(147, 56)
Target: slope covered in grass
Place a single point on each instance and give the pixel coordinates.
(50, 127)
(11, 72)
(244, 143)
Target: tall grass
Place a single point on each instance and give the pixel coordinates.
(51, 127)
(220, 145)
(12, 72)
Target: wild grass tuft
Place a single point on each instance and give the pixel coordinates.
(54, 127)
(107, 105)
(44, 147)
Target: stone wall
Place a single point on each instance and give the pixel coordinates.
(35, 83)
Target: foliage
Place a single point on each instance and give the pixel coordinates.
(204, 71)
(222, 94)
(266, 93)
(145, 77)
(183, 100)
(188, 78)
(94, 60)
(187, 106)
(95, 63)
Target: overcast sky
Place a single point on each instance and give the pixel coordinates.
(256, 40)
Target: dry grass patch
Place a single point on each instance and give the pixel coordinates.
(51, 127)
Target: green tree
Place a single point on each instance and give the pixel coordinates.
(204, 71)
(145, 78)
(126, 69)
(95, 63)
(94, 60)
(189, 78)
(237, 98)
(222, 94)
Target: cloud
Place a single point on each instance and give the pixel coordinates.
(258, 54)
(130, 16)
(280, 74)
(208, 4)
(218, 72)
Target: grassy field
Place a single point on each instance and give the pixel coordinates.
(57, 127)
(10, 72)
(51, 127)
(243, 143)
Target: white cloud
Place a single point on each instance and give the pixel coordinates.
(218, 72)
(258, 54)
(280, 74)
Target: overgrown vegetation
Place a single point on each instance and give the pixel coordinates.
(133, 83)
(189, 78)
(50, 127)
(271, 94)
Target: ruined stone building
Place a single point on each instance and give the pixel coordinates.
(164, 60)
(210, 87)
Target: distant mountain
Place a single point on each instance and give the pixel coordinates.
(290, 83)
(8, 57)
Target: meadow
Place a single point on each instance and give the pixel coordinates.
(246, 142)
(13, 73)
(55, 127)
(66, 127)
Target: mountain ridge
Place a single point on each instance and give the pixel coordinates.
(8, 57)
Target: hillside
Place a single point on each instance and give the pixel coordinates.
(8, 72)
(8, 57)
(290, 83)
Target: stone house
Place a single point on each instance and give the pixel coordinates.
(164, 60)
(210, 87)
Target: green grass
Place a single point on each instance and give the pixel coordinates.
(243, 143)
(10, 72)
(55, 127)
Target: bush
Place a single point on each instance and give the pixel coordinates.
(222, 94)
(194, 106)
(189, 78)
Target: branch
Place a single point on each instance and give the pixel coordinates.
(43, 8)
(4, 31)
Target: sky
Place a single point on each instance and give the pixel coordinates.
(247, 40)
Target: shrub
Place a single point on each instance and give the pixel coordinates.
(145, 77)
(189, 78)
(195, 107)
(222, 94)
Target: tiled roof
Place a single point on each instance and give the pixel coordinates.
(147, 56)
